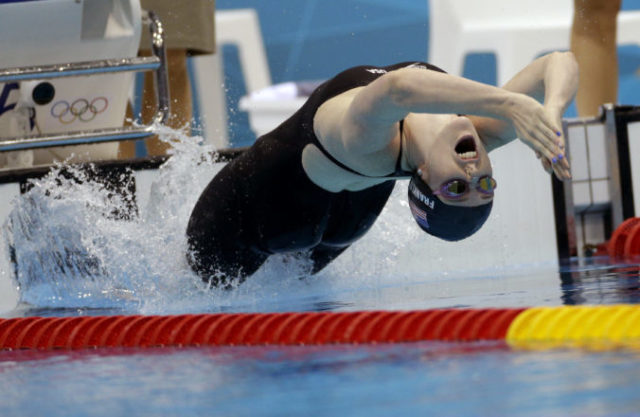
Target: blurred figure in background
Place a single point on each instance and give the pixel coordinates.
(189, 30)
(593, 43)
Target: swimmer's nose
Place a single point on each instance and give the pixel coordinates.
(471, 169)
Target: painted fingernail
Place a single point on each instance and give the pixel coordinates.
(559, 133)
(554, 160)
(560, 156)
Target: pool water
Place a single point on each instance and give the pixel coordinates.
(85, 262)
(575, 282)
(443, 379)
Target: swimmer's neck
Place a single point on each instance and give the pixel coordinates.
(421, 131)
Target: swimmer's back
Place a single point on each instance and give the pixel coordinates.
(263, 202)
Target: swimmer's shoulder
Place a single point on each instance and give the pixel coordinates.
(366, 73)
(362, 75)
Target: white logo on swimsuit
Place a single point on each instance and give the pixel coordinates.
(417, 194)
(376, 70)
(417, 65)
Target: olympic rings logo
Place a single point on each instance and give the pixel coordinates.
(81, 109)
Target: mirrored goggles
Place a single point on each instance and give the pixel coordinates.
(457, 188)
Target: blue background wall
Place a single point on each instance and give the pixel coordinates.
(314, 39)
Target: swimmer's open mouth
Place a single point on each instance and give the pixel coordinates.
(466, 148)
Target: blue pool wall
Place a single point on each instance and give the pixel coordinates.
(312, 39)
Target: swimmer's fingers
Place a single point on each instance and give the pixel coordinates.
(540, 140)
(546, 164)
(549, 135)
(554, 113)
(557, 157)
(560, 163)
(533, 140)
(560, 171)
(564, 162)
(534, 127)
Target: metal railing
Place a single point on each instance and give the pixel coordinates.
(157, 63)
(614, 120)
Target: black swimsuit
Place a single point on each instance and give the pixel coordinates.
(263, 203)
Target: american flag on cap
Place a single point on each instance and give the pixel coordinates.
(419, 214)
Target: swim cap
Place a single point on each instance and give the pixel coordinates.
(441, 220)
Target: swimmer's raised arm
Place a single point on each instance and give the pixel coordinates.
(377, 107)
(551, 79)
(364, 118)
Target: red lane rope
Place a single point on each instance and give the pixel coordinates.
(255, 329)
(625, 240)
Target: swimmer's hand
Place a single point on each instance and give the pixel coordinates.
(539, 128)
(562, 171)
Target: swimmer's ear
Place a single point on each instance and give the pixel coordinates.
(423, 172)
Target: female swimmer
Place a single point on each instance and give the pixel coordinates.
(318, 182)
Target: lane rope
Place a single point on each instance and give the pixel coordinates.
(598, 327)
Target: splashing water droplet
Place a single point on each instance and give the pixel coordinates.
(75, 249)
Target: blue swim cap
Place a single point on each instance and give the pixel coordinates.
(442, 220)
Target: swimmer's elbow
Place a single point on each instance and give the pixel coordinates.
(566, 59)
(572, 62)
(568, 56)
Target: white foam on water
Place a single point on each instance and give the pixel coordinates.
(71, 251)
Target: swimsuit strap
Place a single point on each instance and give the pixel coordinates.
(335, 161)
(398, 172)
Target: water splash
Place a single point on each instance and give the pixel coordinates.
(74, 246)
(78, 246)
